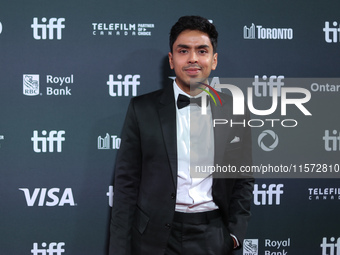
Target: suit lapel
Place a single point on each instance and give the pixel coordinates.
(167, 116)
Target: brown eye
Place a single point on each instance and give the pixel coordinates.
(183, 51)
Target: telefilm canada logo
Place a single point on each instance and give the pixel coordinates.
(260, 32)
(55, 85)
(325, 193)
(48, 29)
(332, 32)
(122, 29)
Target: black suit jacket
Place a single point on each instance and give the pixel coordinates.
(146, 174)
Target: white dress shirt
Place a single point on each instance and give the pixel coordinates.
(195, 147)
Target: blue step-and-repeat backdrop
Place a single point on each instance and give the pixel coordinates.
(69, 68)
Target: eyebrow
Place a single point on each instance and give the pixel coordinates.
(187, 46)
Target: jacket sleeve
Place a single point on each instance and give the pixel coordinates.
(242, 193)
(127, 176)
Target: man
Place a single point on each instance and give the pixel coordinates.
(158, 207)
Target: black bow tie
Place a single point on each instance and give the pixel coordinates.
(183, 101)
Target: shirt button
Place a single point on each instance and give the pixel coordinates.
(168, 226)
(173, 196)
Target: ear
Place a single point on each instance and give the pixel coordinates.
(214, 64)
(170, 60)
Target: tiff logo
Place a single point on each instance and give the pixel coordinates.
(332, 34)
(129, 80)
(53, 249)
(332, 248)
(40, 30)
(266, 196)
(260, 87)
(332, 142)
(40, 142)
(104, 143)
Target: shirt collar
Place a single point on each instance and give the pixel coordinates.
(178, 91)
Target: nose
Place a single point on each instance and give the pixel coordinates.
(192, 58)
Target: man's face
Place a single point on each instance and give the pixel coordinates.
(192, 57)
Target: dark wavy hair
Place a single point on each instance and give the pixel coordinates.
(193, 23)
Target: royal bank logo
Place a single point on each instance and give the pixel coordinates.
(44, 30)
(55, 85)
(332, 140)
(332, 32)
(31, 84)
(330, 248)
(50, 249)
(259, 32)
(250, 246)
(265, 144)
(122, 29)
(127, 84)
(108, 142)
(276, 245)
(267, 196)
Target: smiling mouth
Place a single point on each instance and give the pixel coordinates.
(192, 71)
